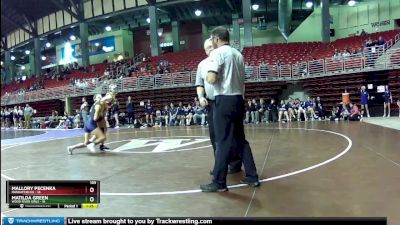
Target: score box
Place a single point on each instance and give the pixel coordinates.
(51, 194)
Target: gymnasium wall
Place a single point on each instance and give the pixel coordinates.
(372, 16)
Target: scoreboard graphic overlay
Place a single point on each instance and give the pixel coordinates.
(52, 194)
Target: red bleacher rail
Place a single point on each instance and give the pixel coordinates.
(372, 60)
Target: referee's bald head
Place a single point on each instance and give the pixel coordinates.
(208, 46)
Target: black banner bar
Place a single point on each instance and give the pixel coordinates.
(216, 221)
(45, 206)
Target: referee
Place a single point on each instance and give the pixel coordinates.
(226, 74)
(205, 93)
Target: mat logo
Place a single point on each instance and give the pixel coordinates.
(158, 145)
(10, 220)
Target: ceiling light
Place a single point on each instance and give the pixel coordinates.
(43, 58)
(255, 6)
(97, 44)
(148, 20)
(351, 3)
(309, 4)
(27, 52)
(12, 57)
(22, 67)
(72, 37)
(159, 34)
(197, 12)
(107, 28)
(48, 44)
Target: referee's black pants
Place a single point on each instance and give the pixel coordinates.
(236, 162)
(230, 137)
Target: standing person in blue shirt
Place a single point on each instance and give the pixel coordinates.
(387, 96)
(148, 111)
(364, 101)
(115, 113)
(130, 108)
(226, 73)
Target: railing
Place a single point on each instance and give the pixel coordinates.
(261, 73)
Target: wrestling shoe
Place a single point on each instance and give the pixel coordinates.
(91, 147)
(103, 148)
(212, 187)
(69, 149)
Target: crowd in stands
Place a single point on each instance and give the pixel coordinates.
(256, 111)
(121, 69)
(369, 44)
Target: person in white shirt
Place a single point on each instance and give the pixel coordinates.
(226, 73)
(205, 93)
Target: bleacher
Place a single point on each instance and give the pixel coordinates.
(394, 83)
(330, 89)
(356, 42)
(177, 60)
(288, 53)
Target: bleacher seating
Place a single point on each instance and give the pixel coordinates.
(330, 89)
(289, 53)
(394, 84)
(177, 61)
(356, 42)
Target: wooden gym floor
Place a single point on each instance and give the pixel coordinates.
(320, 168)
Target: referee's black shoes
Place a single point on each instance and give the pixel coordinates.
(250, 182)
(212, 187)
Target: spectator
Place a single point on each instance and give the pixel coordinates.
(77, 119)
(180, 114)
(345, 113)
(381, 41)
(173, 114)
(363, 33)
(189, 115)
(388, 99)
(337, 55)
(159, 120)
(28, 112)
(131, 112)
(319, 109)
(262, 109)
(199, 114)
(149, 111)
(21, 116)
(84, 109)
(398, 104)
(115, 113)
(272, 111)
(283, 111)
(249, 110)
(165, 114)
(346, 53)
(355, 114)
